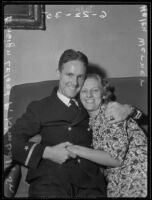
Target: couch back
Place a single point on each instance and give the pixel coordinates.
(127, 90)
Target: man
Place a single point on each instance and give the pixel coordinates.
(61, 120)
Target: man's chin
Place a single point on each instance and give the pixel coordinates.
(72, 94)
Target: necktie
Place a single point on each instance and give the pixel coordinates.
(73, 105)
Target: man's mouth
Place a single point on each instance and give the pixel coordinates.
(72, 87)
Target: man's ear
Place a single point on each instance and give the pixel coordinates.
(58, 73)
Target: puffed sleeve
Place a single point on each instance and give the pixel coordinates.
(24, 151)
(125, 140)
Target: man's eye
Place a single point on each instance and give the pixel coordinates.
(70, 75)
(83, 91)
(81, 77)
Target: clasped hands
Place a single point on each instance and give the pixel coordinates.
(60, 153)
(115, 112)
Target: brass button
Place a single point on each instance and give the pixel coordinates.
(78, 160)
(88, 129)
(69, 128)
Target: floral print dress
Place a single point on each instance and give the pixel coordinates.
(126, 142)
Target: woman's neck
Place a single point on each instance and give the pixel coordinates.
(94, 113)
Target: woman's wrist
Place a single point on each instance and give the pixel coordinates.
(77, 149)
(74, 149)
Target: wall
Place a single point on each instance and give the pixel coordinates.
(111, 42)
(110, 35)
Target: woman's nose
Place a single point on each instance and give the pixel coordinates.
(89, 94)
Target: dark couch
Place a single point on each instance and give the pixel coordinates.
(127, 90)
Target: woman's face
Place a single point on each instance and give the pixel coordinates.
(91, 94)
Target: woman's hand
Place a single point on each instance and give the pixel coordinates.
(58, 153)
(73, 149)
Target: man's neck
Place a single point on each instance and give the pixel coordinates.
(63, 98)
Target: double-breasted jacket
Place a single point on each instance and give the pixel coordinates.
(56, 123)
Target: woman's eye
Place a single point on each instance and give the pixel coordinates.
(95, 90)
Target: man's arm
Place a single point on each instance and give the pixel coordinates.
(117, 112)
(28, 152)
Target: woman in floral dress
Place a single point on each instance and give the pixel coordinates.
(120, 147)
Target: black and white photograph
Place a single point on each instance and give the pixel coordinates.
(76, 109)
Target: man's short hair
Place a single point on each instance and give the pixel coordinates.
(70, 55)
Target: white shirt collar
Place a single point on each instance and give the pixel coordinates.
(63, 98)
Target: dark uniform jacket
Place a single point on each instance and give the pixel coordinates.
(56, 123)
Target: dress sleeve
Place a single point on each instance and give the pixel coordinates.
(137, 142)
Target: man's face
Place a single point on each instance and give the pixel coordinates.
(71, 78)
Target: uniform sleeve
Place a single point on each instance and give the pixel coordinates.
(136, 114)
(24, 151)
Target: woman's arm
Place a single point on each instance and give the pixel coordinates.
(97, 156)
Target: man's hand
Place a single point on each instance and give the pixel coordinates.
(58, 153)
(116, 112)
(7, 162)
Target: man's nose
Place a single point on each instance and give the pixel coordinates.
(75, 81)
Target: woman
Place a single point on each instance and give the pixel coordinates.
(122, 147)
